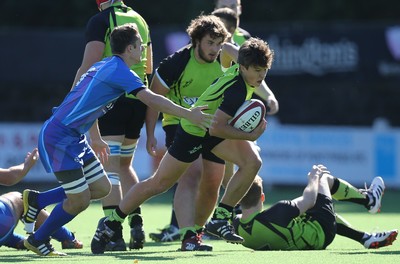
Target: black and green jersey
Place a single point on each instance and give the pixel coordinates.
(227, 93)
(280, 228)
(100, 26)
(240, 36)
(186, 79)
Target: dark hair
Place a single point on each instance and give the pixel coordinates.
(228, 15)
(122, 36)
(206, 24)
(253, 195)
(255, 52)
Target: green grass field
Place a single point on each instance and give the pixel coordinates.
(156, 213)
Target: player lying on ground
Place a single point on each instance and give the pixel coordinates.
(309, 221)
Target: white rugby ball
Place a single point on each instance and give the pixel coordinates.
(249, 115)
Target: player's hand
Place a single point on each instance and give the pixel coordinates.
(151, 145)
(30, 160)
(101, 150)
(258, 131)
(323, 169)
(316, 172)
(272, 106)
(199, 118)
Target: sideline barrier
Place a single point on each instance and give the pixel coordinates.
(288, 151)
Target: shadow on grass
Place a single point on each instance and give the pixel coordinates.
(159, 255)
(126, 255)
(390, 252)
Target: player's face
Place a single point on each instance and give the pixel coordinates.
(208, 49)
(136, 51)
(254, 75)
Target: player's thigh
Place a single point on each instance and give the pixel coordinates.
(239, 152)
(100, 184)
(191, 177)
(213, 173)
(169, 172)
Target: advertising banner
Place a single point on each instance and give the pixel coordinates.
(288, 152)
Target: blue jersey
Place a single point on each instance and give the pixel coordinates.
(95, 93)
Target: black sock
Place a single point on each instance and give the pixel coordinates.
(349, 232)
(136, 218)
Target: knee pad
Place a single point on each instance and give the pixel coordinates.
(115, 147)
(75, 187)
(93, 171)
(128, 150)
(114, 178)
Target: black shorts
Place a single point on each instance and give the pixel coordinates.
(324, 213)
(187, 148)
(170, 131)
(125, 118)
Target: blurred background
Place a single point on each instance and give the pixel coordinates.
(336, 76)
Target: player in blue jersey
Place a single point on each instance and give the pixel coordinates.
(11, 209)
(121, 127)
(63, 146)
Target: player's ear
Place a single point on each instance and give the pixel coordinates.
(262, 197)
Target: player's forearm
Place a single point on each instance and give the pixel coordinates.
(12, 175)
(151, 121)
(264, 92)
(162, 104)
(94, 132)
(311, 191)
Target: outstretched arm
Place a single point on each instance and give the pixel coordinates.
(15, 174)
(162, 104)
(309, 197)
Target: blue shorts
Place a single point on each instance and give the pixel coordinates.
(8, 221)
(62, 148)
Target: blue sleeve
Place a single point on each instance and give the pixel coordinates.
(130, 82)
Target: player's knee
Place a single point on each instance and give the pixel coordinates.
(101, 192)
(77, 204)
(252, 163)
(161, 185)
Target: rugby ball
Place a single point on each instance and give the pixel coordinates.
(249, 115)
